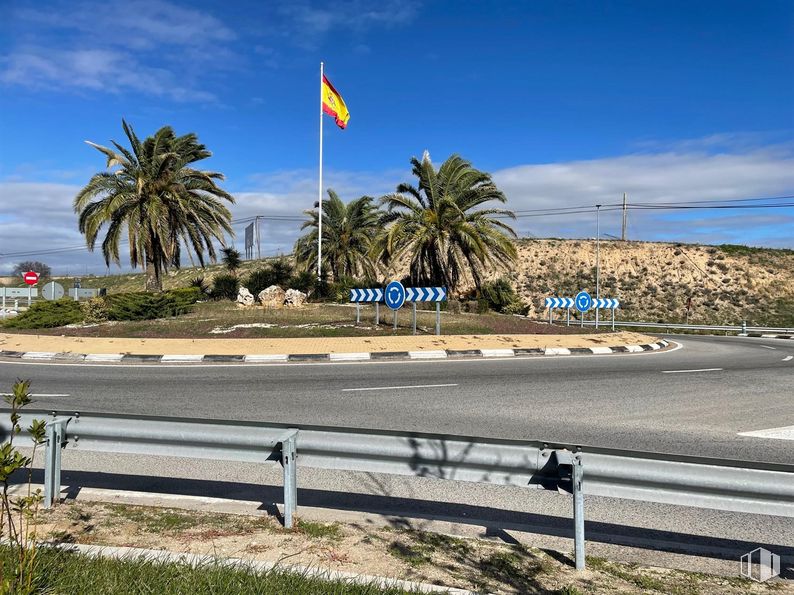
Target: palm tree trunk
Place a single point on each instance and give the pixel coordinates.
(153, 281)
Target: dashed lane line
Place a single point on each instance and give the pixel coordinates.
(691, 371)
(352, 390)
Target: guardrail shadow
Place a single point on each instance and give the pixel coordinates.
(496, 521)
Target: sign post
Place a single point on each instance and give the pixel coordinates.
(395, 295)
(31, 278)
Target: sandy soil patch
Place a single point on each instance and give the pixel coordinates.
(49, 343)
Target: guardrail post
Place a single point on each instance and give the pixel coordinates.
(55, 433)
(577, 474)
(289, 453)
(744, 328)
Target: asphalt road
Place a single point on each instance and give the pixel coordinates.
(650, 401)
(693, 400)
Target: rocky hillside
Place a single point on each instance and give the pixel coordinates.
(727, 283)
(653, 280)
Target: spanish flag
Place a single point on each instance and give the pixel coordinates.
(334, 105)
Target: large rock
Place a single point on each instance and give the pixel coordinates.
(245, 297)
(272, 297)
(294, 298)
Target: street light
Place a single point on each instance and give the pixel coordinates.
(598, 261)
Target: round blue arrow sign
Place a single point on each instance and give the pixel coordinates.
(583, 301)
(394, 296)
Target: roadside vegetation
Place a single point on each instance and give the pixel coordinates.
(394, 550)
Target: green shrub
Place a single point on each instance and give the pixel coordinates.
(278, 273)
(186, 297)
(304, 281)
(501, 297)
(48, 315)
(339, 290)
(95, 310)
(258, 280)
(149, 306)
(200, 284)
(225, 287)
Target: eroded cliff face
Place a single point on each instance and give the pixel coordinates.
(654, 280)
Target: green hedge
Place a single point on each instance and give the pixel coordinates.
(148, 306)
(48, 315)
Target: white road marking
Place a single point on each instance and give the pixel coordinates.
(181, 358)
(767, 347)
(39, 395)
(784, 433)
(104, 357)
(688, 371)
(601, 350)
(557, 351)
(429, 354)
(349, 357)
(351, 390)
(259, 359)
(788, 358)
(497, 352)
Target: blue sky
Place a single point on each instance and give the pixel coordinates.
(567, 103)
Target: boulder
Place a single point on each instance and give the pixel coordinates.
(245, 297)
(294, 298)
(272, 297)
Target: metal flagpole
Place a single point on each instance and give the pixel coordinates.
(320, 188)
(598, 261)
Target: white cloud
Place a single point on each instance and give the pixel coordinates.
(86, 52)
(654, 178)
(38, 216)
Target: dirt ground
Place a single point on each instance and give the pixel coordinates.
(387, 550)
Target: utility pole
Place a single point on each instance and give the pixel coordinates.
(258, 243)
(623, 233)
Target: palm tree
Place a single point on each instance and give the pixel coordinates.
(157, 200)
(348, 232)
(439, 226)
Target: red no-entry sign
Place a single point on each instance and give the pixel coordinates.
(31, 277)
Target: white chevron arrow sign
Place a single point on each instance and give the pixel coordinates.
(558, 302)
(425, 294)
(606, 303)
(366, 295)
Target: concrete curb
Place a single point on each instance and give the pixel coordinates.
(116, 358)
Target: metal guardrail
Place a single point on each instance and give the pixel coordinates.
(740, 486)
(739, 329)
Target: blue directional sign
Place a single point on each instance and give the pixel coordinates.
(583, 301)
(558, 302)
(366, 295)
(394, 295)
(425, 294)
(606, 303)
